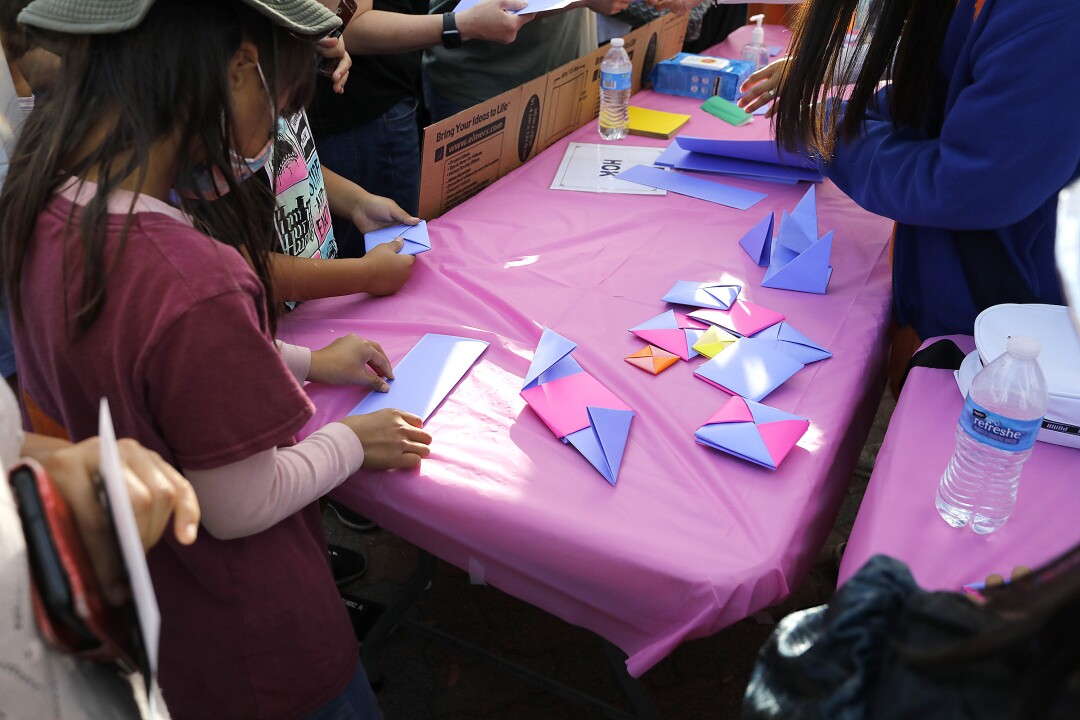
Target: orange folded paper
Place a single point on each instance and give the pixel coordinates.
(652, 359)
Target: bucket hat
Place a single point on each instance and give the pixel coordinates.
(98, 17)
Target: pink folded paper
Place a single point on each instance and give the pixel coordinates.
(752, 431)
(743, 318)
(564, 404)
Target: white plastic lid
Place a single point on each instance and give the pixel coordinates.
(616, 42)
(757, 35)
(1025, 347)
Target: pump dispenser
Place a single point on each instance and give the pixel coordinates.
(756, 51)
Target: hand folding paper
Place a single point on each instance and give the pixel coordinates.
(425, 376)
(575, 406)
(752, 431)
(416, 238)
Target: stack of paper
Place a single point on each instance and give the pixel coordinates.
(655, 123)
(575, 406)
(751, 159)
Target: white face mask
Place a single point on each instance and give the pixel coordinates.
(209, 183)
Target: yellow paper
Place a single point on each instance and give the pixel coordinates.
(655, 123)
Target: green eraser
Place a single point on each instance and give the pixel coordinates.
(727, 111)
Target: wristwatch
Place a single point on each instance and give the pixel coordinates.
(451, 36)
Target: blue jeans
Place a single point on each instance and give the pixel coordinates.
(383, 157)
(357, 702)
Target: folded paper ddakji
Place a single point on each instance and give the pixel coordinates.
(752, 431)
(751, 368)
(652, 359)
(673, 332)
(575, 406)
(703, 294)
(416, 238)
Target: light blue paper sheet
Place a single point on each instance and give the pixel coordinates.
(733, 197)
(416, 239)
(426, 375)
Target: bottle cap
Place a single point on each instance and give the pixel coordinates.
(757, 35)
(1022, 346)
(616, 42)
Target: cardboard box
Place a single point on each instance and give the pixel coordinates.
(465, 153)
(701, 76)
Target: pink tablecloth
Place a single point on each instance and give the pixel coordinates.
(897, 516)
(690, 540)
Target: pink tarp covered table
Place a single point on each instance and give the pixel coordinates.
(897, 516)
(689, 540)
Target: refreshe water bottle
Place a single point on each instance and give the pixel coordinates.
(994, 436)
(615, 72)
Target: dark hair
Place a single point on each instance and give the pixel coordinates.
(167, 75)
(1033, 623)
(903, 39)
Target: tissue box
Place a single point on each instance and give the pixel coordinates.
(701, 76)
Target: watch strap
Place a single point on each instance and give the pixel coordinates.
(451, 36)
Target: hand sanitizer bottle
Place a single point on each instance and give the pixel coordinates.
(756, 51)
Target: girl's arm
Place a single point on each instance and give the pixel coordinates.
(381, 272)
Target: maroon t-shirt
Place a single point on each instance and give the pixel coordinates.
(253, 627)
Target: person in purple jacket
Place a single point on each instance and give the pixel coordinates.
(966, 145)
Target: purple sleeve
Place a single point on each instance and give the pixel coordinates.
(247, 497)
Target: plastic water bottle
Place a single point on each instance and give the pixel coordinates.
(994, 436)
(615, 74)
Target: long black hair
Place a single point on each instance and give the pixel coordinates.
(903, 40)
(166, 76)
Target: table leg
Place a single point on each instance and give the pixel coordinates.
(394, 615)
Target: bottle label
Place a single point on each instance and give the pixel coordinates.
(614, 81)
(997, 431)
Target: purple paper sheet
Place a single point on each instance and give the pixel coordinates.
(426, 375)
(733, 197)
(762, 151)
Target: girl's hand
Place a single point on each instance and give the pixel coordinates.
(351, 360)
(334, 49)
(371, 212)
(763, 87)
(157, 491)
(391, 438)
(490, 20)
(385, 269)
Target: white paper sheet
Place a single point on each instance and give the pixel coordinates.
(595, 168)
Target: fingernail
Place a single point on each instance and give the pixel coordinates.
(191, 532)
